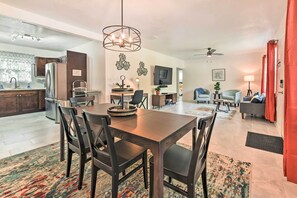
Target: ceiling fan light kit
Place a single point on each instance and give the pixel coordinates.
(121, 38)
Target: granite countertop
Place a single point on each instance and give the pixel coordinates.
(21, 89)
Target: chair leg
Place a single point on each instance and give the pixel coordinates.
(82, 162)
(115, 184)
(144, 160)
(191, 190)
(69, 159)
(93, 181)
(151, 180)
(169, 180)
(204, 183)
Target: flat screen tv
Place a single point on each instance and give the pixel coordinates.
(162, 75)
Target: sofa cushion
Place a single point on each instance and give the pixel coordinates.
(200, 91)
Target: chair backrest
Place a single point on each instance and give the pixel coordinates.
(137, 97)
(71, 126)
(205, 125)
(82, 101)
(98, 133)
(230, 92)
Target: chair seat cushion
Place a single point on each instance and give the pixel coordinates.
(176, 161)
(228, 97)
(126, 152)
(203, 95)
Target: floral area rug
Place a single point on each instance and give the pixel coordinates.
(39, 173)
(206, 110)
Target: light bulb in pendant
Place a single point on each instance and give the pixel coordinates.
(123, 35)
(112, 37)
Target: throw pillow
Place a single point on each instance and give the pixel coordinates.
(256, 99)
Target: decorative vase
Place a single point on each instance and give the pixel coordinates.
(216, 91)
(157, 92)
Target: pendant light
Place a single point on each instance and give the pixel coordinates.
(121, 38)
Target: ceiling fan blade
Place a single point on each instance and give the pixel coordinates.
(218, 54)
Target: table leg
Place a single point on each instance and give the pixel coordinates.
(158, 173)
(62, 143)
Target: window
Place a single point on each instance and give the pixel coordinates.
(16, 65)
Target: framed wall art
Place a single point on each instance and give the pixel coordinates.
(218, 75)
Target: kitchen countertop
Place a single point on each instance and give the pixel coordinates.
(22, 89)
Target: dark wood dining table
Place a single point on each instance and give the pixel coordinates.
(152, 129)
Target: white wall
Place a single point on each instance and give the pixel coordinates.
(198, 73)
(95, 65)
(280, 36)
(150, 59)
(30, 50)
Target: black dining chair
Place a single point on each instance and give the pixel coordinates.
(137, 97)
(82, 101)
(76, 140)
(114, 157)
(185, 165)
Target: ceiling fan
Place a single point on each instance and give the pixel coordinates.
(210, 53)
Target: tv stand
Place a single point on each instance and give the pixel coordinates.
(163, 99)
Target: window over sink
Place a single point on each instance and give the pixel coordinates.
(17, 65)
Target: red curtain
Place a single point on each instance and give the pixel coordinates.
(263, 80)
(270, 82)
(290, 133)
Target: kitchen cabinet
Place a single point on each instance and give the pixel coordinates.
(15, 102)
(40, 65)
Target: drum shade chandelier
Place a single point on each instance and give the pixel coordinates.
(121, 38)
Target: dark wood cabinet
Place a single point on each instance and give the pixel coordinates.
(21, 101)
(40, 65)
(8, 103)
(163, 99)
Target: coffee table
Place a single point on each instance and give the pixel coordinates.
(224, 103)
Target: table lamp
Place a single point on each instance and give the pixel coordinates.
(249, 79)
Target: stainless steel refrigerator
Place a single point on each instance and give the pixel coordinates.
(55, 88)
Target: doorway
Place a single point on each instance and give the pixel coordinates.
(180, 76)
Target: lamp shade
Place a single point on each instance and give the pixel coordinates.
(249, 78)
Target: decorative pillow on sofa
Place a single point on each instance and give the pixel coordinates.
(256, 99)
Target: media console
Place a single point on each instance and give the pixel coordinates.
(163, 99)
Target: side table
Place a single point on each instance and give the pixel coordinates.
(216, 96)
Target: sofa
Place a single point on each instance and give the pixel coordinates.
(233, 96)
(252, 106)
(202, 95)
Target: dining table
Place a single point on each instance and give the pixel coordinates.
(152, 129)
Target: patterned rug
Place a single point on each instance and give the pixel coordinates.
(206, 110)
(39, 173)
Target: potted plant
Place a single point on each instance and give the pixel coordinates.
(157, 89)
(217, 87)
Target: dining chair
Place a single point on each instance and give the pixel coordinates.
(185, 165)
(76, 140)
(82, 101)
(137, 97)
(114, 157)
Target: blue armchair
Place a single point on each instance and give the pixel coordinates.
(233, 96)
(202, 95)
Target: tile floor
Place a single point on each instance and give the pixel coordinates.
(25, 132)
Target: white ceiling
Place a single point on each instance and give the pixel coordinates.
(49, 39)
(174, 27)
